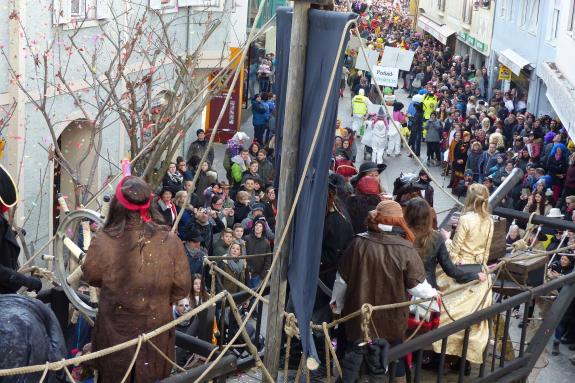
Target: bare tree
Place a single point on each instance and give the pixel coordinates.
(131, 57)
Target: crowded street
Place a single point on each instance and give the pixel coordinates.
(263, 190)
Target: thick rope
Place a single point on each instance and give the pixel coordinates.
(55, 366)
(332, 350)
(129, 370)
(69, 375)
(235, 281)
(283, 237)
(167, 358)
(291, 330)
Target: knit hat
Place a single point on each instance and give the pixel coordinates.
(368, 185)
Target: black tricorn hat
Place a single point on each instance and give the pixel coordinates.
(8, 189)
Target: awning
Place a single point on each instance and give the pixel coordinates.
(440, 32)
(513, 60)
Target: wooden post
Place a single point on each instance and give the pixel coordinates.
(288, 175)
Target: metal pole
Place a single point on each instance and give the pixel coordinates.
(506, 186)
(288, 170)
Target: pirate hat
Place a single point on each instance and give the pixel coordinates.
(8, 189)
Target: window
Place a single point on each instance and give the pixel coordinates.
(534, 19)
(554, 25)
(441, 5)
(75, 11)
(467, 11)
(78, 8)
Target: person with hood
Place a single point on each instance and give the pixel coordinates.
(429, 104)
(240, 164)
(260, 116)
(433, 138)
(257, 214)
(378, 141)
(257, 244)
(199, 147)
(233, 148)
(557, 165)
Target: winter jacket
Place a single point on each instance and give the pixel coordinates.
(260, 112)
(433, 131)
(266, 170)
(239, 166)
(258, 265)
(198, 148)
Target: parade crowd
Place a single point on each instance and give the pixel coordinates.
(379, 247)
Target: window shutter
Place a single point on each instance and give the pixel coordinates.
(103, 9)
(61, 12)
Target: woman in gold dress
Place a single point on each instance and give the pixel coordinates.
(470, 245)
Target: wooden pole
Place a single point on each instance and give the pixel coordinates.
(288, 176)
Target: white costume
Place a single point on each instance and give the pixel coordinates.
(379, 140)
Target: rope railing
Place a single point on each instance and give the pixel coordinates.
(291, 323)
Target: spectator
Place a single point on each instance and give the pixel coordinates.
(199, 147)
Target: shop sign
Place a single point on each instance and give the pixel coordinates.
(472, 41)
(385, 76)
(504, 73)
(480, 46)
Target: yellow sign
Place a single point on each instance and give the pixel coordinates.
(504, 73)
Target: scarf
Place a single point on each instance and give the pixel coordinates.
(236, 266)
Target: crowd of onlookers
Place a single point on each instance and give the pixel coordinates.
(476, 134)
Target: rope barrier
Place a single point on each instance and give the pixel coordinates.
(167, 358)
(288, 329)
(133, 361)
(55, 366)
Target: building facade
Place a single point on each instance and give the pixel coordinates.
(522, 42)
(559, 74)
(48, 26)
(464, 25)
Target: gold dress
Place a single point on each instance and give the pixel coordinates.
(470, 245)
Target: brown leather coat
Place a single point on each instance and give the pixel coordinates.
(137, 289)
(378, 268)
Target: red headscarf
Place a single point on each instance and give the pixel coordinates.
(143, 208)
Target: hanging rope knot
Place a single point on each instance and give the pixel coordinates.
(366, 311)
(519, 245)
(290, 326)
